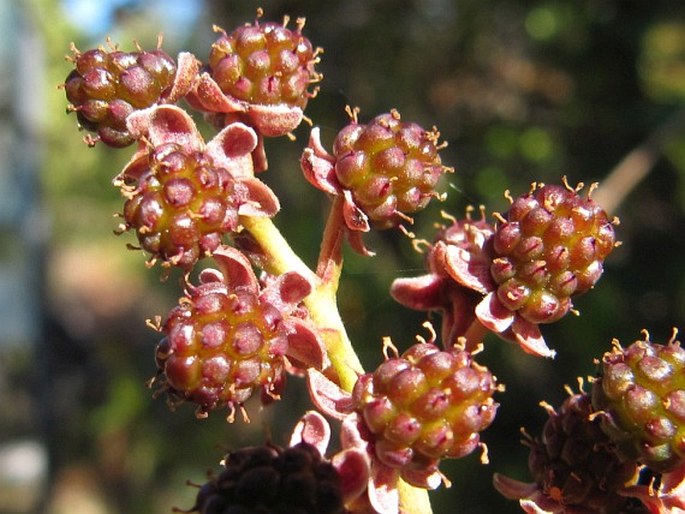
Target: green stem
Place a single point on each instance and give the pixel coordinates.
(413, 500)
(323, 309)
(279, 258)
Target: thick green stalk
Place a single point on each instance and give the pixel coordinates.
(321, 303)
(413, 500)
(323, 309)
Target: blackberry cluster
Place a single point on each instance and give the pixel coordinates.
(575, 463)
(640, 394)
(220, 346)
(390, 167)
(271, 480)
(426, 405)
(549, 246)
(265, 63)
(106, 86)
(179, 204)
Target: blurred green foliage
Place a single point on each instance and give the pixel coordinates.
(521, 91)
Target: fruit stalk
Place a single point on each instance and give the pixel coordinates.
(321, 303)
(472, 337)
(279, 258)
(413, 499)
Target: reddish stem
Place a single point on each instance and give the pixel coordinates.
(473, 335)
(330, 255)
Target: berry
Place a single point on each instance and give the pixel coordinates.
(265, 63)
(549, 247)
(220, 344)
(107, 85)
(640, 394)
(271, 480)
(390, 167)
(423, 406)
(179, 204)
(575, 463)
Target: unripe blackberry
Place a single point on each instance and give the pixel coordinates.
(426, 405)
(179, 204)
(390, 167)
(549, 246)
(265, 63)
(108, 85)
(640, 396)
(575, 463)
(220, 345)
(271, 480)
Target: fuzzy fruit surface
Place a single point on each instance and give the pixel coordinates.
(390, 166)
(641, 393)
(551, 246)
(106, 86)
(426, 405)
(270, 480)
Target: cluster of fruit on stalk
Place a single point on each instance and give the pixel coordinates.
(258, 313)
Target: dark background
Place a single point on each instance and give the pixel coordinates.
(521, 91)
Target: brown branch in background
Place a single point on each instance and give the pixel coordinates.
(637, 164)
